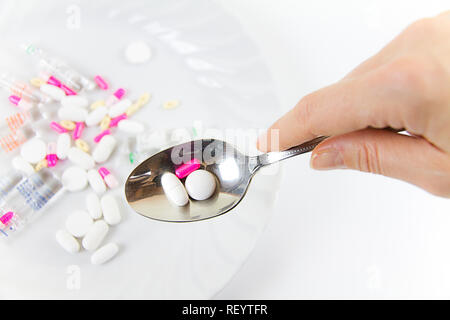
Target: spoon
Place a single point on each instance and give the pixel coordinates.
(233, 172)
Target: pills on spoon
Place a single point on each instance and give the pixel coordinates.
(174, 189)
(200, 184)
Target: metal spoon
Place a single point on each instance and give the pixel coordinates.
(232, 169)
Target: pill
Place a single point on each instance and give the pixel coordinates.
(144, 99)
(104, 149)
(174, 189)
(34, 150)
(133, 109)
(53, 81)
(78, 131)
(79, 223)
(104, 124)
(108, 177)
(72, 114)
(80, 158)
(67, 124)
(53, 92)
(74, 179)
(41, 165)
(115, 97)
(138, 52)
(171, 104)
(96, 181)
(67, 241)
(98, 104)
(96, 116)
(110, 209)
(63, 145)
(100, 136)
(187, 168)
(21, 103)
(74, 102)
(52, 158)
(119, 108)
(93, 206)
(94, 237)
(115, 121)
(104, 254)
(22, 165)
(55, 126)
(37, 82)
(200, 184)
(131, 127)
(68, 91)
(102, 84)
(82, 145)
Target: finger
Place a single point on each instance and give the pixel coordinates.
(407, 158)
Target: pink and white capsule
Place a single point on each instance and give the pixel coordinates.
(67, 90)
(116, 97)
(115, 121)
(21, 103)
(101, 135)
(78, 131)
(101, 83)
(185, 169)
(108, 177)
(55, 126)
(51, 157)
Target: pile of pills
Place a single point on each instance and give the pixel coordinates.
(199, 184)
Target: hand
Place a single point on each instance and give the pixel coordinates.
(406, 85)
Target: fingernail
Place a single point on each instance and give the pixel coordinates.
(326, 159)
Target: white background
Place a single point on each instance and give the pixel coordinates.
(340, 234)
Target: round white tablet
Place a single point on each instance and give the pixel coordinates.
(74, 179)
(34, 150)
(200, 184)
(138, 52)
(79, 223)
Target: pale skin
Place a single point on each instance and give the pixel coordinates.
(405, 86)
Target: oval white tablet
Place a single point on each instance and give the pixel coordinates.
(93, 206)
(63, 145)
(74, 179)
(22, 165)
(81, 158)
(96, 182)
(174, 189)
(79, 223)
(119, 108)
(200, 184)
(53, 92)
(96, 116)
(131, 127)
(34, 150)
(67, 241)
(94, 237)
(104, 149)
(138, 52)
(74, 102)
(72, 114)
(105, 253)
(111, 212)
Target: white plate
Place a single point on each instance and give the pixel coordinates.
(202, 57)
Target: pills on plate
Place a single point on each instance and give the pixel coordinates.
(93, 206)
(63, 145)
(21, 165)
(80, 158)
(119, 108)
(74, 102)
(174, 189)
(34, 150)
(131, 127)
(67, 241)
(74, 179)
(52, 91)
(72, 114)
(200, 184)
(94, 237)
(138, 52)
(96, 181)
(104, 254)
(96, 116)
(104, 149)
(110, 209)
(79, 223)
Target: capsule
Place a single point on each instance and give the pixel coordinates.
(174, 189)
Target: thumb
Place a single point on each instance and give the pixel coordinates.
(408, 158)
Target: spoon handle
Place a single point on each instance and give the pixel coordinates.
(272, 157)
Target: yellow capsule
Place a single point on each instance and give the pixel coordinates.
(143, 99)
(67, 124)
(81, 144)
(40, 165)
(37, 82)
(97, 104)
(171, 104)
(104, 124)
(133, 109)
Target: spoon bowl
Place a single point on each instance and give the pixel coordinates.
(232, 169)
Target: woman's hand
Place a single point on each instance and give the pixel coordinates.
(406, 85)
